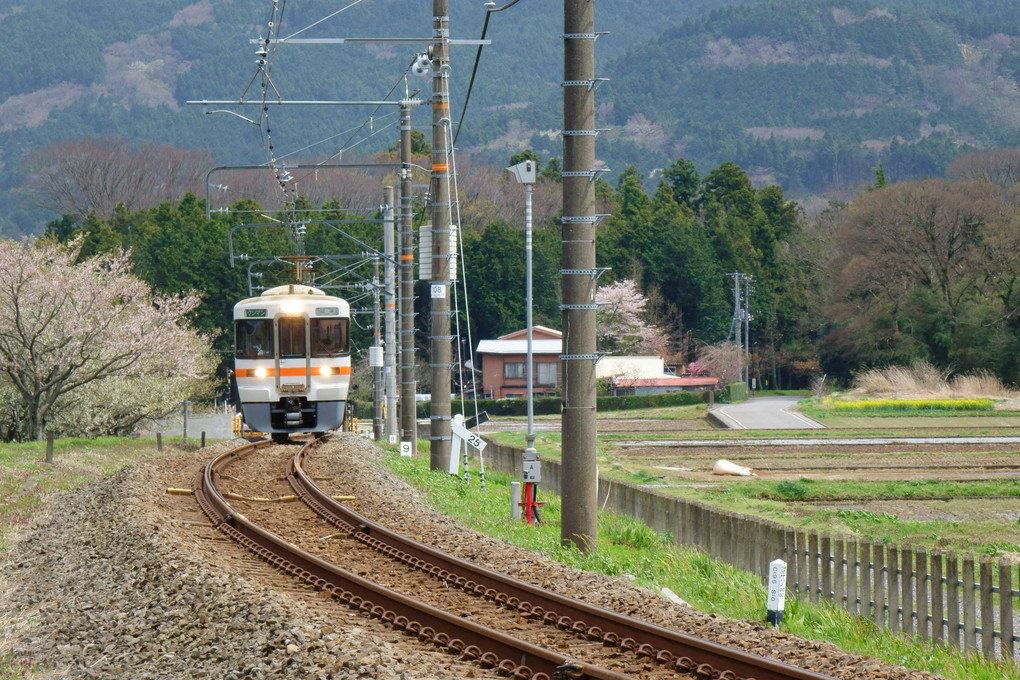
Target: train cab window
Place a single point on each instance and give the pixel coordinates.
(292, 337)
(253, 339)
(329, 337)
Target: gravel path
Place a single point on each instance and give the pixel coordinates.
(134, 586)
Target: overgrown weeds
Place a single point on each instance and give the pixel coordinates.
(924, 379)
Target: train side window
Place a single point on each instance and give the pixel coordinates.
(292, 336)
(253, 339)
(330, 337)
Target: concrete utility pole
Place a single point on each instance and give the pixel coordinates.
(580, 476)
(408, 385)
(736, 323)
(747, 331)
(441, 434)
(741, 323)
(376, 353)
(389, 317)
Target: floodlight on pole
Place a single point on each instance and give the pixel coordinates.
(526, 173)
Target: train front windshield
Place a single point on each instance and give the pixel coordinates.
(253, 338)
(329, 337)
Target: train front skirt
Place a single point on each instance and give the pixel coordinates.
(293, 415)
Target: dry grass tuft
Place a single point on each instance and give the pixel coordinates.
(980, 383)
(922, 379)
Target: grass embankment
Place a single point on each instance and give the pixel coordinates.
(26, 480)
(629, 548)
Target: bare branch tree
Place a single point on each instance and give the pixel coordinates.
(94, 175)
(1001, 167)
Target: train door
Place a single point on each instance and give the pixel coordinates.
(295, 362)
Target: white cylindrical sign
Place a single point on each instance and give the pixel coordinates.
(776, 592)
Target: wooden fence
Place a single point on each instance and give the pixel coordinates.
(938, 596)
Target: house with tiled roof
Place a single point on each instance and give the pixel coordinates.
(505, 359)
(647, 375)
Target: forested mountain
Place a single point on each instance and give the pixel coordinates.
(813, 94)
(809, 94)
(126, 69)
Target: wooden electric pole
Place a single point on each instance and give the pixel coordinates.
(442, 289)
(408, 385)
(390, 316)
(579, 275)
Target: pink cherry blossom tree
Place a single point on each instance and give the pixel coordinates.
(621, 324)
(722, 360)
(87, 347)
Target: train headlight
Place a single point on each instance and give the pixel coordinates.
(261, 372)
(325, 370)
(291, 307)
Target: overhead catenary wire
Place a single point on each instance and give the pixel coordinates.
(268, 47)
(267, 54)
(474, 69)
(394, 114)
(346, 146)
(325, 18)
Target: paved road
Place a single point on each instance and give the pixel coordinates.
(765, 413)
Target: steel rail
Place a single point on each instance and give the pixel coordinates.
(491, 648)
(667, 646)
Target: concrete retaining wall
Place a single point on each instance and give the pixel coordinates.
(899, 588)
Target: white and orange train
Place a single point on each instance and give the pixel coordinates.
(292, 360)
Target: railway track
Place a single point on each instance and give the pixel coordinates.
(499, 622)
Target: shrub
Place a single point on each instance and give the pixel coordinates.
(552, 405)
(736, 392)
(792, 489)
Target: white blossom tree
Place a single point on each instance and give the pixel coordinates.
(87, 347)
(621, 324)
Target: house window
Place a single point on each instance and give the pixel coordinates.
(545, 373)
(513, 369)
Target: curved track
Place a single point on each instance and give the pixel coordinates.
(602, 644)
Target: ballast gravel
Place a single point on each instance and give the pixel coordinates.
(123, 580)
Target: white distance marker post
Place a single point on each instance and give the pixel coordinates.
(777, 593)
(469, 438)
(455, 445)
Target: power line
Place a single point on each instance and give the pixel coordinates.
(326, 18)
(474, 69)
